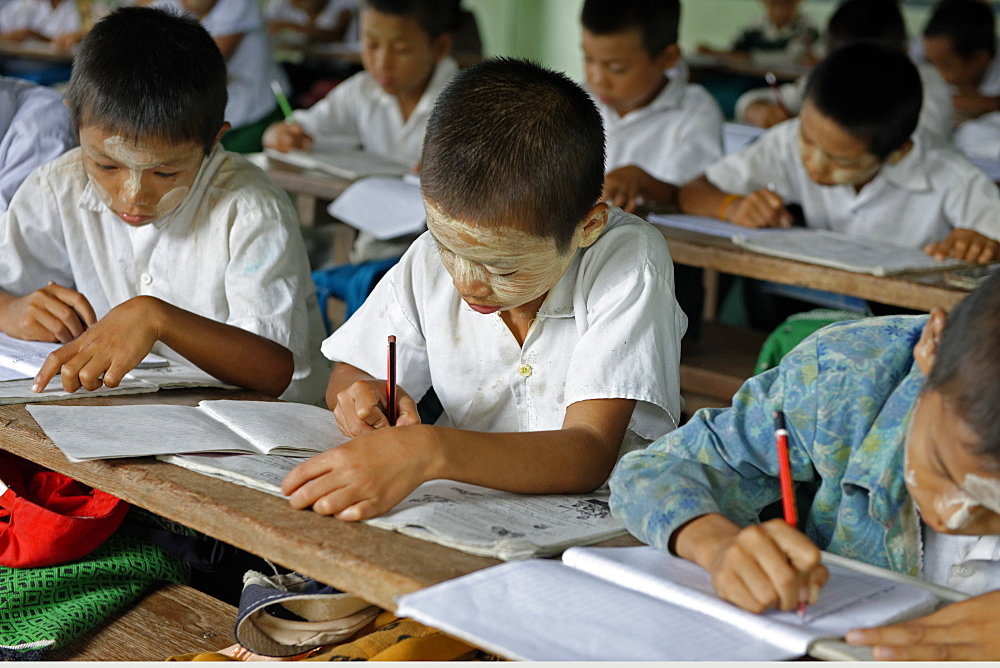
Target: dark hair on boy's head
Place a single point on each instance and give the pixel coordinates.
(512, 144)
(867, 21)
(144, 72)
(436, 17)
(968, 25)
(656, 20)
(872, 92)
(966, 369)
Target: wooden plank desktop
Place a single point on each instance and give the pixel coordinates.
(372, 563)
(34, 50)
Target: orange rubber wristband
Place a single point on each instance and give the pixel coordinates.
(726, 201)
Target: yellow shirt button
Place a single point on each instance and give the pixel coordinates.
(524, 370)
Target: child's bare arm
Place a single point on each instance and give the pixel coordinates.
(629, 186)
(761, 208)
(369, 475)
(359, 401)
(117, 343)
(762, 566)
(54, 313)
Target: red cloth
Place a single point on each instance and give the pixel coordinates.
(47, 518)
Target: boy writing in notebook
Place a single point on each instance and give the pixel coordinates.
(150, 235)
(661, 130)
(543, 318)
(405, 47)
(858, 169)
(892, 425)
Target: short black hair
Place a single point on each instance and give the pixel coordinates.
(867, 21)
(435, 17)
(871, 91)
(966, 368)
(968, 24)
(145, 72)
(656, 20)
(512, 144)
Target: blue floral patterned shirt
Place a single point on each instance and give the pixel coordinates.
(847, 393)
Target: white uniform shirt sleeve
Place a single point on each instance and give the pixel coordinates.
(764, 161)
(974, 202)
(696, 140)
(337, 113)
(232, 17)
(791, 95)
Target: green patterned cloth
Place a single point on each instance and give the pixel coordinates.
(45, 608)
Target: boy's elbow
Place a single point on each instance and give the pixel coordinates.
(688, 194)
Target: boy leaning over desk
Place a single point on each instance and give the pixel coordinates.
(854, 163)
(151, 236)
(543, 318)
(893, 427)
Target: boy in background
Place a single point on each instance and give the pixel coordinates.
(34, 129)
(892, 423)
(238, 28)
(152, 237)
(878, 21)
(858, 169)
(315, 20)
(660, 130)
(405, 47)
(783, 36)
(543, 318)
(37, 19)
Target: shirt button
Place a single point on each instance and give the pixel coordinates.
(524, 370)
(146, 279)
(962, 571)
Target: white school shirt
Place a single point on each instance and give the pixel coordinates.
(969, 564)
(980, 137)
(937, 114)
(251, 67)
(932, 190)
(673, 138)
(610, 328)
(359, 109)
(282, 10)
(232, 251)
(40, 16)
(34, 128)
(990, 85)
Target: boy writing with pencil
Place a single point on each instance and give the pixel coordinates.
(661, 130)
(892, 425)
(405, 47)
(543, 318)
(858, 168)
(152, 237)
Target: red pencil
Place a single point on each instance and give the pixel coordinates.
(390, 382)
(785, 478)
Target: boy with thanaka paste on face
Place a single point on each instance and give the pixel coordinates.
(660, 129)
(150, 236)
(858, 167)
(543, 318)
(405, 47)
(893, 427)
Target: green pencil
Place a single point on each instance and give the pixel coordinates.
(286, 108)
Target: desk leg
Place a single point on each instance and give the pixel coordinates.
(306, 205)
(710, 280)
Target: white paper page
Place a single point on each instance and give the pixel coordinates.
(710, 226)
(850, 599)
(99, 432)
(490, 522)
(343, 162)
(846, 252)
(737, 135)
(279, 427)
(21, 360)
(384, 207)
(260, 472)
(177, 375)
(19, 391)
(541, 610)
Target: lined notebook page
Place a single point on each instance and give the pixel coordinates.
(283, 425)
(542, 610)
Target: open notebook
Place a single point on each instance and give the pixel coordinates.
(21, 360)
(382, 206)
(347, 163)
(640, 604)
(262, 427)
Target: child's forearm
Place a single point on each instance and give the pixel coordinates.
(343, 376)
(702, 198)
(575, 459)
(231, 354)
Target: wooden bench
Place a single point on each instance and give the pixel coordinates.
(714, 367)
(171, 619)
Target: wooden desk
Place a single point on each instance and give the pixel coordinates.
(916, 291)
(34, 50)
(704, 64)
(372, 563)
(305, 182)
(294, 50)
